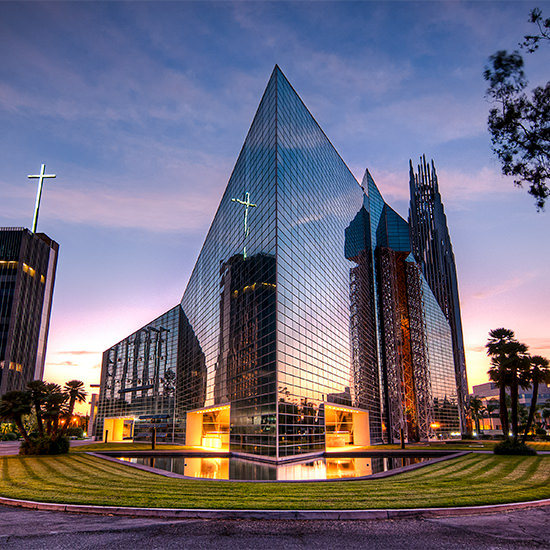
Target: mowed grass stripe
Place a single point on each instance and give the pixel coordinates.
(443, 468)
(6, 477)
(541, 475)
(477, 467)
(56, 469)
(486, 470)
(523, 471)
(41, 466)
(93, 465)
(482, 470)
(30, 473)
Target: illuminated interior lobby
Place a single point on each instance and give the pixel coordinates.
(307, 325)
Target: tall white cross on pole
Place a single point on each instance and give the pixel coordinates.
(40, 177)
(247, 204)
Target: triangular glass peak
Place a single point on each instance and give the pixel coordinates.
(261, 288)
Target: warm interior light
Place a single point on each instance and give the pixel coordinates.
(202, 411)
(212, 442)
(10, 264)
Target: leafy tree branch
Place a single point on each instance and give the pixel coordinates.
(519, 123)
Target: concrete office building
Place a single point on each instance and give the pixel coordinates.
(27, 275)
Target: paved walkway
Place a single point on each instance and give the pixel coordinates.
(36, 530)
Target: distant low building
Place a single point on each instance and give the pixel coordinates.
(489, 395)
(27, 274)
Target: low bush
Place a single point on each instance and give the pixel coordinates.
(10, 436)
(75, 432)
(511, 447)
(45, 446)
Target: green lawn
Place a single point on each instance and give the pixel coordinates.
(130, 446)
(480, 444)
(469, 480)
(460, 445)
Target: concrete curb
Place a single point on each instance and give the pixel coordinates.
(183, 513)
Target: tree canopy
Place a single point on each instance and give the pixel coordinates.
(519, 123)
(53, 407)
(511, 368)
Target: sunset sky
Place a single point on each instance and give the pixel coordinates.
(141, 109)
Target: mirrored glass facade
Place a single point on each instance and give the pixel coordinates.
(145, 384)
(290, 319)
(431, 245)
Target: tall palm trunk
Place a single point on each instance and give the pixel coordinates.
(514, 389)
(532, 408)
(503, 409)
(68, 417)
(19, 423)
(39, 422)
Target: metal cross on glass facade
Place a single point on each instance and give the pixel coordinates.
(247, 204)
(40, 177)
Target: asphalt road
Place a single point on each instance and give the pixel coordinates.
(33, 530)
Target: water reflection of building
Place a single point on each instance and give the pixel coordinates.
(312, 328)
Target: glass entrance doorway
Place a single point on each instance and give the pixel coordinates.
(346, 427)
(208, 428)
(118, 429)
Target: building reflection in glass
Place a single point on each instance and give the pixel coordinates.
(402, 316)
(148, 378)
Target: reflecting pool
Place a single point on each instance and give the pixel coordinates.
(234, 468)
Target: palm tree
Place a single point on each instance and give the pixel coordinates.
(477, 410)
(13, 406)
(491, 407)
(539, 373)
(53, 406)
(508, 362)
(74, 389)
(37, 390)
(546, 414)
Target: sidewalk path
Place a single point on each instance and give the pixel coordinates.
(37, 530)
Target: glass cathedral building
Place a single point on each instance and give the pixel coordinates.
(307, 323)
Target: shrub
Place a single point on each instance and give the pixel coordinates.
(75, 432)
(10, 436)
(511, 447)
(45, 446)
